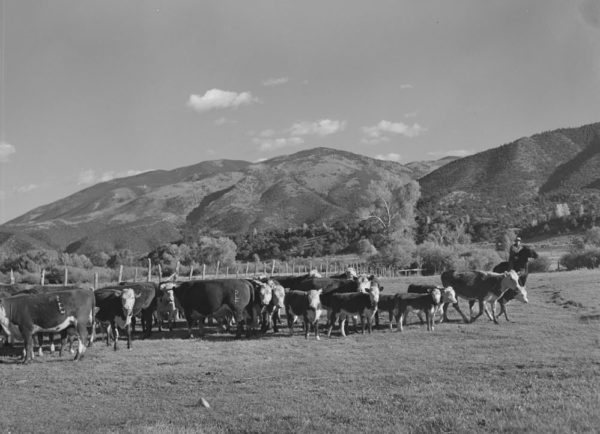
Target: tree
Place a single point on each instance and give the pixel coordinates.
(393, 205)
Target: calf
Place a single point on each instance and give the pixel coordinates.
(427, 303)
(388, 303)
(165, 306)
(448, 296)
(306, 304)
(343, 305)
(115, 310)
(271, 312)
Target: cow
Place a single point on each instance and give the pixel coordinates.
(272, 312)
(481, 286)
(48, 312)
(115, 310)
(343, 305)
(427, 303)
(145, 295)
(305, 304)
(165, 306)
(202, 298)
(387, 303)
(448, 296)
(69, 333)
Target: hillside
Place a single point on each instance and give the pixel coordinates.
(520, 183)
(142, 211)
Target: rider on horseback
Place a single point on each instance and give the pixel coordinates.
(513, 254)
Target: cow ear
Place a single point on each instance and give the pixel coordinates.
(319, 291)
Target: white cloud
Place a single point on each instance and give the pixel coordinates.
(378, 133)
(453, 153)
(89, 176)
(390, 157)
(406, 86)
(269, 82)
(412, 114)
(269, 144)
(266, 133)
(6, 150)
(224, 121)
(590, 12)
(220, 99)
(321, 128)
(26, 188)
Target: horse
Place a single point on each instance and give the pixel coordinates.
(521, 267)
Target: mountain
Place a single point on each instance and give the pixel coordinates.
(526, 177)
(229, 197)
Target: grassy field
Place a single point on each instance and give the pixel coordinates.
(538, 373)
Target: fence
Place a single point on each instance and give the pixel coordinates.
(249, 269)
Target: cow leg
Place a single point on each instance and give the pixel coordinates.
(493, 308)
(63, 342)
(115, 334)
(27, 345)
(83, 334)
(332, 321)
(377, 319)
(342, 324)
(39, 341)
(129, 329)
(391, 315)
(400, 321)
(482, 309)
(444, 313)
(457, 307)
(503, 309)
(316, 326)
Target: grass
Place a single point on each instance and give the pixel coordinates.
(538, 373)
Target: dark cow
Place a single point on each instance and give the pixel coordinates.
(343, 305)
(481, 286)
(115, 310)
(48, 312)
(387, 303)
(68, 334)
(305, 304)
(427, 303)
(145, 303)
(202, 298)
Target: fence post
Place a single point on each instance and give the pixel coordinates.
(66, 279)
(217, 273)
(227, 272)
(286, 268)
(43, 276)
(120, 273)
(159, 272)
(135, 274)
(12, 277)
(191, 271)
(203, 271)
(177, 270)
(95, 280)
(273, 267)
(247, 265)
(149, 269)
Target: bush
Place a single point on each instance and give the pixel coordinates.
(479, 259)
(435, 258)
(539, 265)
(586, 259)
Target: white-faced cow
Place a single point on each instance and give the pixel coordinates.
(305, 304)
(427, 303)
(485, 287)
(343, 305)
(48, 312)
(272, 312)
(202, 298)
(448, 296)
(115, 310)
(165, 305)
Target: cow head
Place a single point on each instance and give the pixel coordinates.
(128, 297)
(278, 294)
(265, 293)
(436, 295)
(314, 273)
(363, 283)
(511, 281)
(448, 295)
(351, 273)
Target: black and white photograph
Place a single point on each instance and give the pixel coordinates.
(278, 216)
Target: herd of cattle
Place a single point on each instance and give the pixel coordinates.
(27, 312)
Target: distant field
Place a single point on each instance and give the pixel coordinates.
(540, 373)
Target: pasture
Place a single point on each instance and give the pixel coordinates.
(538, 373)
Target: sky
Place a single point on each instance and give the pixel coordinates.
(93, 90)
